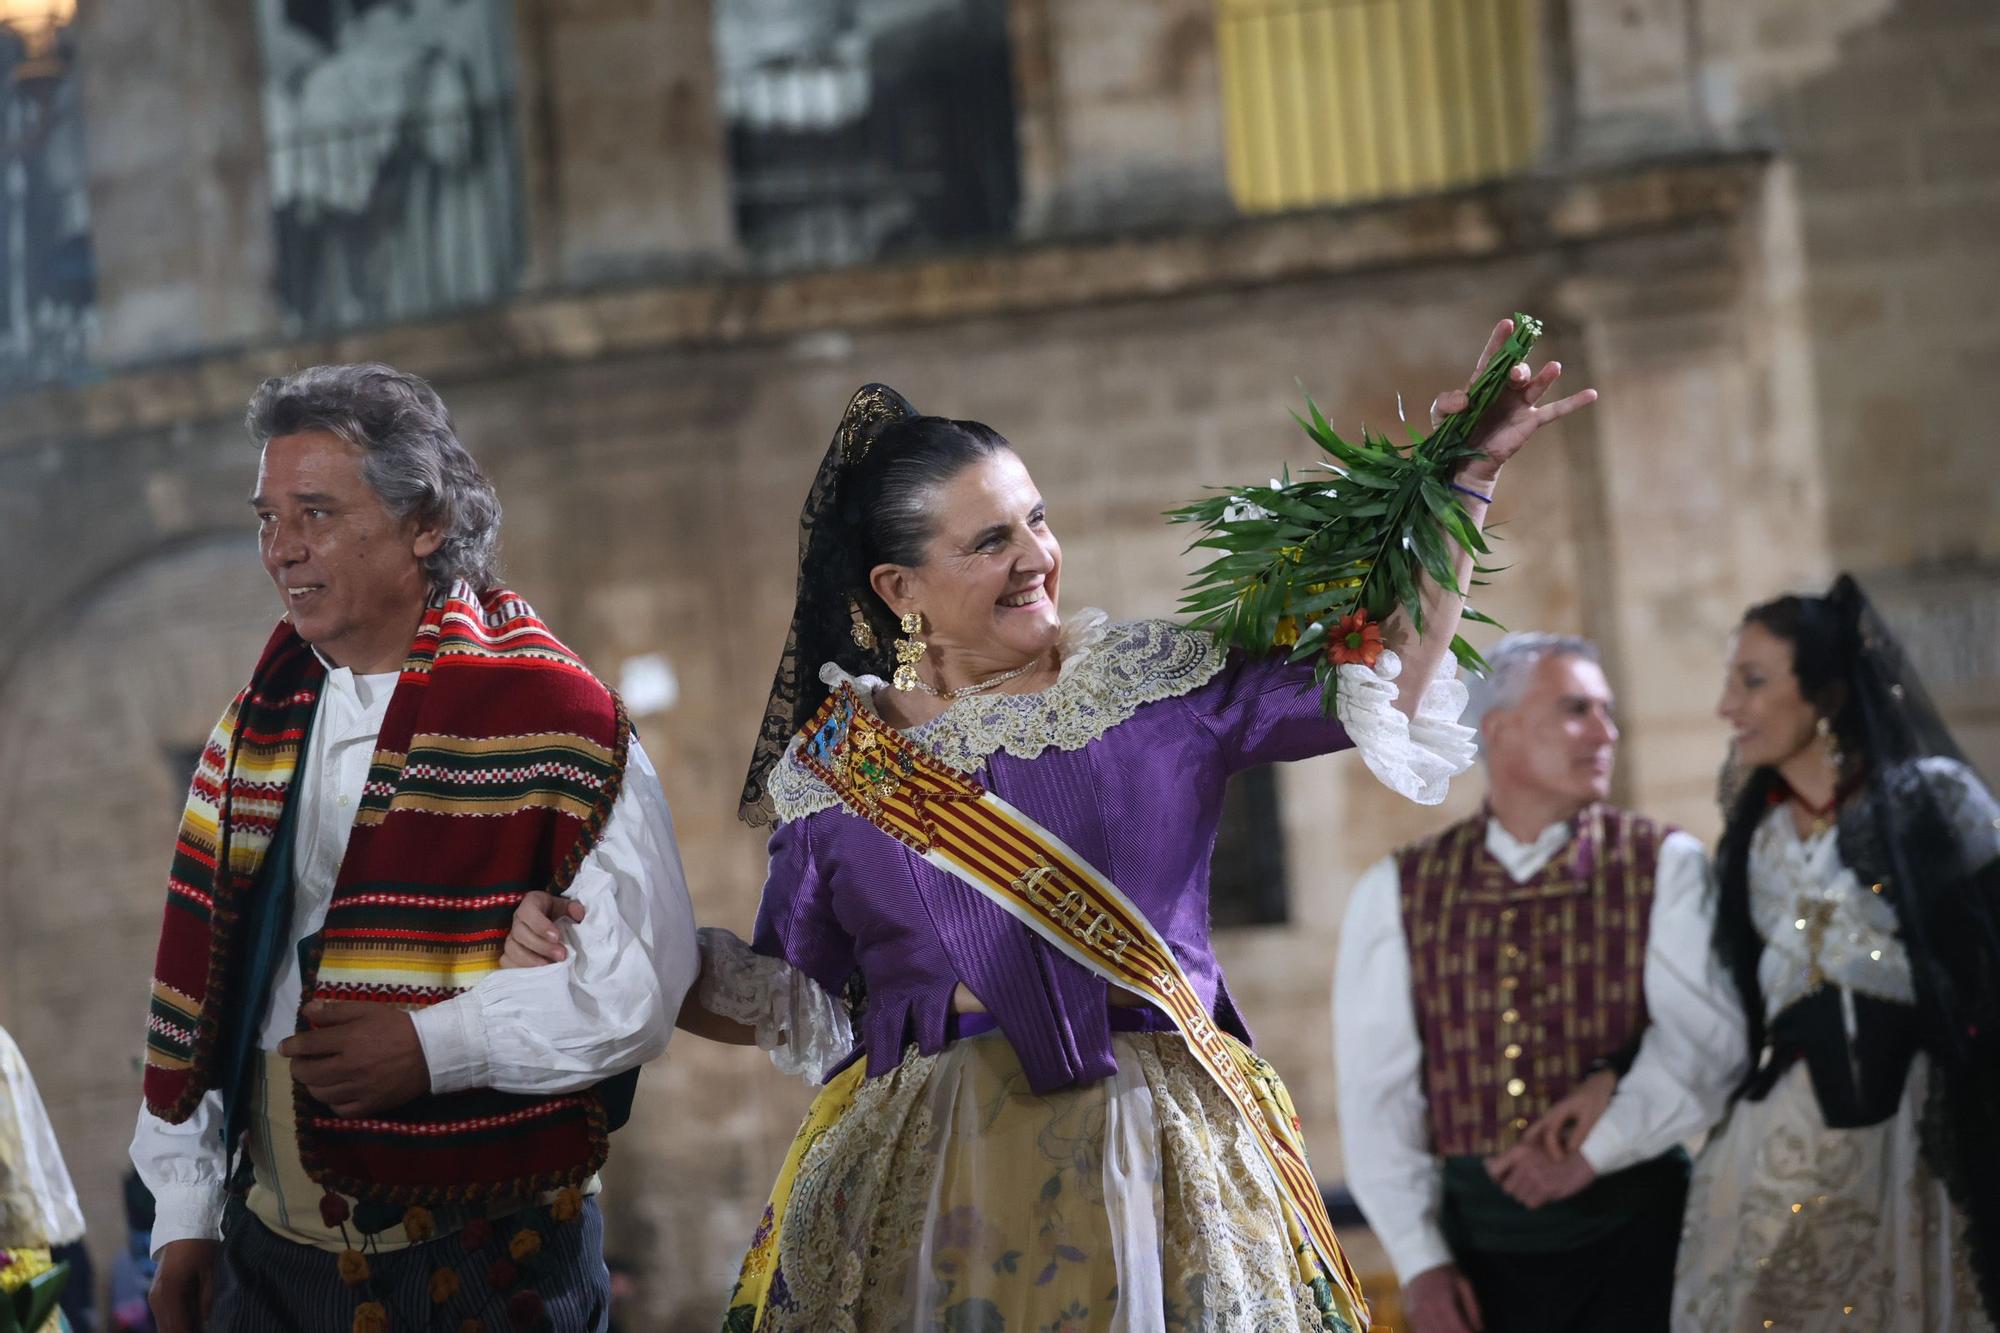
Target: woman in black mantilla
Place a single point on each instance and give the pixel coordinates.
(1854, 1183)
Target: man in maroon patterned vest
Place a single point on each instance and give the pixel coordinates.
(1496, 983)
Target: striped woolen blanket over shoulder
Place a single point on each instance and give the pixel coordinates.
(498, 762)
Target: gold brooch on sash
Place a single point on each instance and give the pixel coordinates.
(856, 757)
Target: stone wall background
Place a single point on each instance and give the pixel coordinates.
(1764, 232)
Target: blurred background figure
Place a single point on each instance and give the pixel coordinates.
(624, 1293)
(40, 1220)
(79, 1295)
(132, 1270)
(646, 248)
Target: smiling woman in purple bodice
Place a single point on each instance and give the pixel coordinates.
(1005, 1141)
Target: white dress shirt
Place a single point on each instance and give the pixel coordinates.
(608, 1007)
(1690, 1057)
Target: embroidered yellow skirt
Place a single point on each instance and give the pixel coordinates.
(947, 1195)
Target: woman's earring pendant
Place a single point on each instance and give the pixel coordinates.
(1831, 740)
(909, 651)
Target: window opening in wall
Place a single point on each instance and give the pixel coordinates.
(1246, 876)
(860, 129)
(394, 161)
(48, 278)
(1345, 101)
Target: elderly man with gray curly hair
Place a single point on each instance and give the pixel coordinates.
(1496, 983)
(353, 1118)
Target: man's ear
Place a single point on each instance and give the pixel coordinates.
(895, 585)
(426, 540)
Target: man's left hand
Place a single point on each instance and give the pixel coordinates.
(1534, 1180)
(358, 1058)
(1564, 1126)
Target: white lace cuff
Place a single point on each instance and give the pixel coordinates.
(1414, 757)
(804, 1029)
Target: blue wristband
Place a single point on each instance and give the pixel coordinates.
(1467, 490)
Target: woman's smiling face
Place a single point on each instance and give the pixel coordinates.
(1770, 718)
(989, 580)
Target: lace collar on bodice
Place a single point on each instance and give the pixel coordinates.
(1108, 672)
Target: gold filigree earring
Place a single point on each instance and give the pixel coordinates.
(860, 630)
(909, 651)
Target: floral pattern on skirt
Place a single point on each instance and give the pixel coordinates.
(947, 1195)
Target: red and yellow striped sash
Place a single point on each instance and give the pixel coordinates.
(960, 827)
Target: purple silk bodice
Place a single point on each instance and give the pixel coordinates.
(1140, 801)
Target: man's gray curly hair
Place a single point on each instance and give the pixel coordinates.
(1509, 664)
(414, 461)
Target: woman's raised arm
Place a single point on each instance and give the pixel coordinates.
(1509, 423)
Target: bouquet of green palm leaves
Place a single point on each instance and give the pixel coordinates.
(1315, 565)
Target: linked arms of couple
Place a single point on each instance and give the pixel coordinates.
(612, 1009)
(361, 1059)
(739, 997)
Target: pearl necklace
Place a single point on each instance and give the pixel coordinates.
(978, 686)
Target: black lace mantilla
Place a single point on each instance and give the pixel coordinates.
(825, 613)
(1927, 832)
